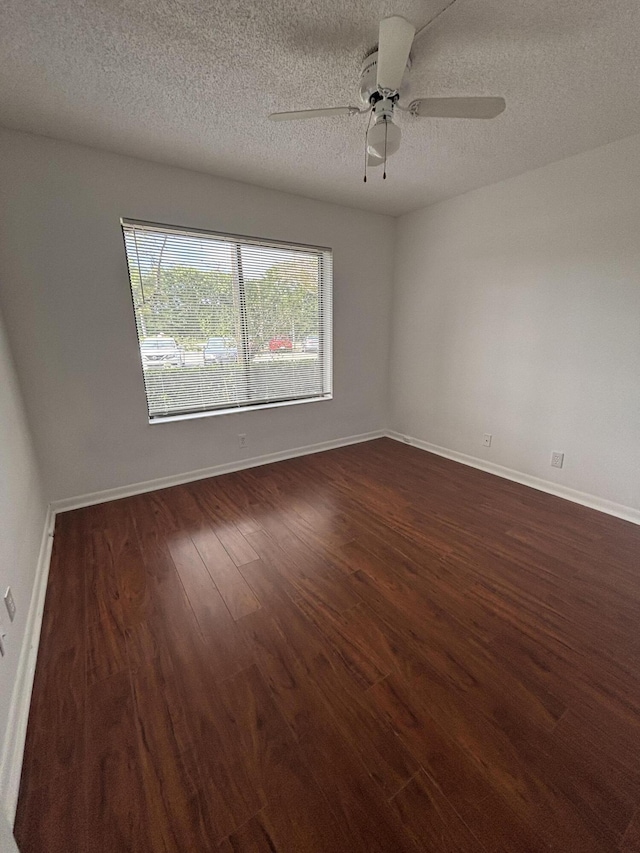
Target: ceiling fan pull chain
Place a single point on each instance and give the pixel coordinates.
(365, 158)
(384, 174)
(366, 142)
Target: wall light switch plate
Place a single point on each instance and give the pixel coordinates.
(10, 604)
(557, 460)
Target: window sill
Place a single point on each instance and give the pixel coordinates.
(164, 419)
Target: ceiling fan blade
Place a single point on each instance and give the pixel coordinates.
(394, 45)
(294, 115)
(372, 160)
(457, 107)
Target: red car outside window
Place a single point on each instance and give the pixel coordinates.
(280, 343)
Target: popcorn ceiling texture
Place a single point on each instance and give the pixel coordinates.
(190, 83)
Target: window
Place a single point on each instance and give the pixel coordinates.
(227, 323)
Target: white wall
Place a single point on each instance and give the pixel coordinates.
(7, 841)
(22, 519)
(517, 313)
(64, 290)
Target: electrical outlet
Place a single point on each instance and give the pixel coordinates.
(486, 439)
(557, 460)
(10, 604)
(242, 439)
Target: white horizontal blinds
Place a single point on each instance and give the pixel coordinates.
(227, 322)
(283, 310)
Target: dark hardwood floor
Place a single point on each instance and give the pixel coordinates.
(370, 649)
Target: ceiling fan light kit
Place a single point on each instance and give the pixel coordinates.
(383, 139)
(381, 81)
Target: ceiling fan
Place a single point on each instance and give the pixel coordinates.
(381, 79)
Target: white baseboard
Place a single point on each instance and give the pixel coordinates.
(592, 501)
(16, 733)
(202, 474)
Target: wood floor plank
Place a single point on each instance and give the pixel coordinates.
(369, 822)
(298, 538)
(175, 680)
(106, 650)
(102, 595)
(368, 649)
(188, 681)
(310, 580)
(353, 639)
(170, 625)
(619, 742)
(431, 820)
(297, 815)
(301, 635)
(451, 649)
(228, 653)
(55, 744)
(196, 511)
(517, 763)
(631, 841)
(301, 677)
(57, 718)
(472, 794)
(236, 544)
(252, 837)
(604, 698)
(117, 818)
(387, 760)
(50, 815)
(188, 811)
(65, 616)
(225, 501)
(232, 586)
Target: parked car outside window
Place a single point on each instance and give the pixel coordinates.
(280, 343)
(311, 343)
(220, 351)
(161, 352)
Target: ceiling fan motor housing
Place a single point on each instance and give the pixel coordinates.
(369, 93)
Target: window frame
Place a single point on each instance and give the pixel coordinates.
(325, 314)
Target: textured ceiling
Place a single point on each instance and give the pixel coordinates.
(190, 82)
